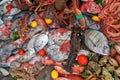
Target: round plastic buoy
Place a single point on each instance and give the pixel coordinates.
(54, 74)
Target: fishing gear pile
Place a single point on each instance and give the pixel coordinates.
(60, 39)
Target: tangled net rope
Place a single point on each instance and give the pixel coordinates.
(110, 17)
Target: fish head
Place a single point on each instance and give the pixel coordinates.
(105, 50)
(94, 8)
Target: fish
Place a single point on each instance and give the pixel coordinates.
(66, 75)
(13, 11)
(90, 7)
(4, 1)
(92, 24)
(4, 71)
(61, 70)
(53, 51)
(42, 22)
(5, 31)
(20, 15)
(3, 4)
(9, 60)
(33, 32)
(60, 35)
(48, 61)
(6, 49)
(4, 10)
(35, 59)
(6, 18)
(40, 42)
(32, 17)
(26, 65)
(65, 47)
(36, 43)
(82, 51)
(59, 31)
(97, 42)
(20, 41)
(76, 69)
(1, 21)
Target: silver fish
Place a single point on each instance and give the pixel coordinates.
(7, 18)
(92, 24)
(82, 51)
(32, 32)
(36, 43)
(21, 15)
(4, 71)
(3, 5)
(14, 11)
(97, 42)
(32, 17)
(1, 21)
(4, 1)
(54, 53)
(30, 45)
(40, 42)
(2, 8)
(60, 39)
(6, 49)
